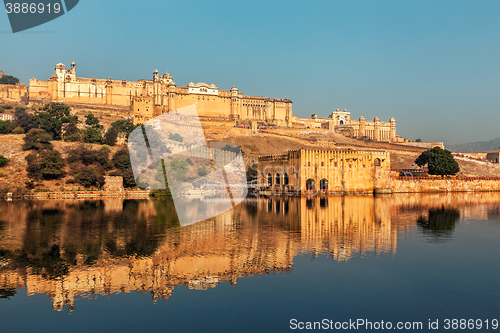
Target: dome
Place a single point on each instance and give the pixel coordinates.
(191, 84)
(392, 120)
(234, 88)
(73, 63)
(361, 118)
(171, 83)
(212, 86)
(202, 84)
(60, 66)
(376, 119)
(155, 72)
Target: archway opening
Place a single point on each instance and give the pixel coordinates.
(277, 179)
(323, 184)
(376, 162)
(310, 185)
(285, 179)
(341, 122)
(269, 179)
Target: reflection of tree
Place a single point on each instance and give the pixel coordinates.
(7, 292)
(55, 239)
(440, 223)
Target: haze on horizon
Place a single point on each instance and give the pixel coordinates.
(434, 66)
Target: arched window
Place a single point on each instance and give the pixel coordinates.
(269, 179)
(310, 184)
(285, 178)
(277, 180)
(376, 162)
(323, 184)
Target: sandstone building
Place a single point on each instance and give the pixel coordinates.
(148, 98)
(324, 171)
(341, 122)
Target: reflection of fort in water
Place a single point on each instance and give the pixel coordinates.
(80, 248)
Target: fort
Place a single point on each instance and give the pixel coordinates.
(149, 98)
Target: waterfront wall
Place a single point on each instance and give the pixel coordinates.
(442, 185)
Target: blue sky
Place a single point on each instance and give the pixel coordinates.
(432, 65)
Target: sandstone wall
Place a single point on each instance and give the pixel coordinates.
(443, 185)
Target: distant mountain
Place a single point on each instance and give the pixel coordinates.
(473, 147)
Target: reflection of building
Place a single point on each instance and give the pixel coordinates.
(310, 170)
(149, 98)
(257, 237)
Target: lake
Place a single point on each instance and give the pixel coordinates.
(409, 261)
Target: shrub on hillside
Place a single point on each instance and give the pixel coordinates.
(111, 136)
(6, 127)
(51, 164)
(3, 161)
(89, 176)
(37, 139)
(18, 130)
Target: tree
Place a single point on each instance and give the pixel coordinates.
(175, 137)
(439, 161)
(111, 136)
(121, 159)
(418, 140)
(33, 167)
(37, 139)
(52, 118)
(51, 164)
(124, 126)
(93, 133)
(8, 79)
(202, 171)
(23, 119)
(88, 176)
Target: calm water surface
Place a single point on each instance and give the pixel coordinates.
(127, 266)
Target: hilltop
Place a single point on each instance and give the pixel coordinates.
(473, 147)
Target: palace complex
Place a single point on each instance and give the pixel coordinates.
(149, 98)
(340, 122)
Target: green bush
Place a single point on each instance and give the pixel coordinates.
(3, 161)
(6, 126)
(18, 130)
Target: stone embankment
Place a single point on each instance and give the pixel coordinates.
(87, 194)
(423, 185)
